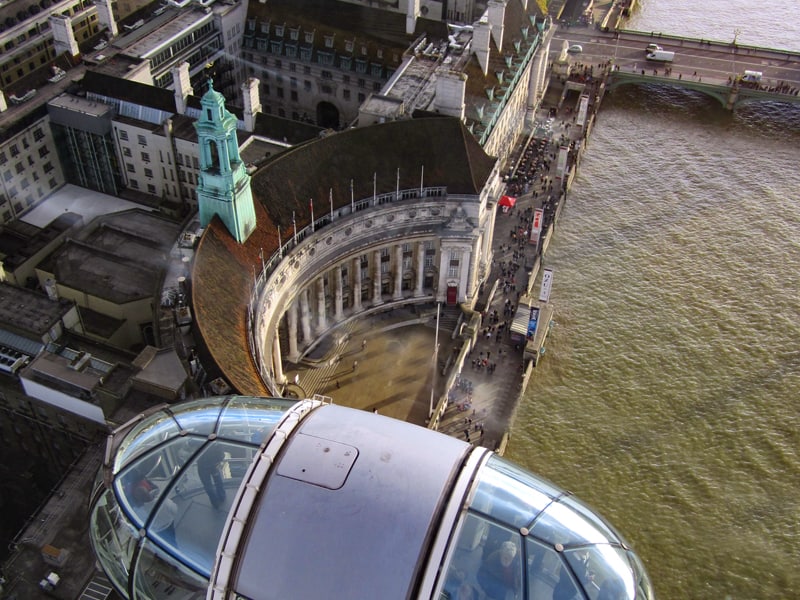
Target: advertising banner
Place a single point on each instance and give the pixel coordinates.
(533, 320)
(536, 226)
(547, 283)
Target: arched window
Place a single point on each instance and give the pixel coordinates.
(213, 152)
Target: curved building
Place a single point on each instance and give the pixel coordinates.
(258, 498)
(358, 221)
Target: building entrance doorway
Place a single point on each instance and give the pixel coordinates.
(452, 294)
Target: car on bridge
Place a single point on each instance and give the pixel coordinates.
(575, 49)
(752, 76)
(652, 48)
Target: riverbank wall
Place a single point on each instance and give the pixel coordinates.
(573, 131)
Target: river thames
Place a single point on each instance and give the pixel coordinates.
(668, 395)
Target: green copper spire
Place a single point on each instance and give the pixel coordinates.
(224, 185)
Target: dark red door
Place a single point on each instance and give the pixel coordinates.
(452, 293)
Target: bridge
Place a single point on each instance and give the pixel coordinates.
(710, 67)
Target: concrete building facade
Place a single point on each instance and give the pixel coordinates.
(29, 166)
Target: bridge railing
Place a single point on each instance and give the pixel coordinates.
(740, 48)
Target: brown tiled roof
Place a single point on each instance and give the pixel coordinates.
(223, 270)
(278, 128)
(222, 280)
(433, 151)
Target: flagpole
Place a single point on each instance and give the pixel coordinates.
(311, 203)
(280, 243)
(330, 197)
(294, 225)
(421, 179)
(397, 186)
(352, 198)
(374, 187)
(435, 360)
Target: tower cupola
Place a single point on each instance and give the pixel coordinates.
(224, 186)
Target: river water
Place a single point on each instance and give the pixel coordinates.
(668, 395)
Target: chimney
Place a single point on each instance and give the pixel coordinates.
(480, 43)
(63, 35)
(412, 11)
(497, 15)
(252, 102)
(450, 93)
(106, 16)
(182, 85)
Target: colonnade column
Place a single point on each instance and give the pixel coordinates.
(322, 322)
(357, 284)
(444, 263)
(291, 324)
(420, 268)
(398, 272)
(305, 316)
(277, 364)
(487, 235)
(476, 261)
(338, 293)
(376, 281)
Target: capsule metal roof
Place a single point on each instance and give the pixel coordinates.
(264, 498)
(372, 490)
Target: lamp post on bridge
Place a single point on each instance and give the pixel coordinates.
(734, 76)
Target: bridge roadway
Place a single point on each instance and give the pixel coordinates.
(707, 66)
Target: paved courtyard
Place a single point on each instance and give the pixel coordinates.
(383, 362)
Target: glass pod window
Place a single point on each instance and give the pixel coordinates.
(524, 538)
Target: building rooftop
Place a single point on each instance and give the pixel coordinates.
(119, 257)
(29, 312)
(162, 373)
(21, 240)
(159, 32)
(80, 204)
(81, 105)
(70, 371)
